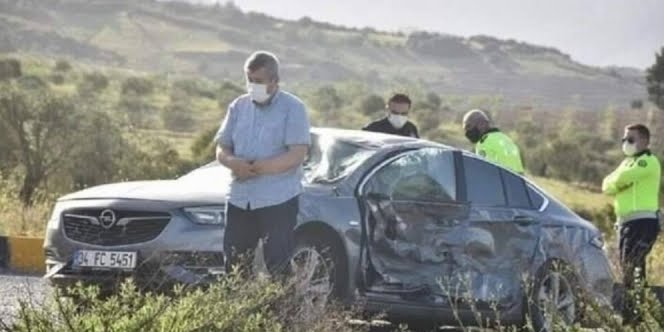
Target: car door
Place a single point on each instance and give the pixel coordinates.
(414, 222)
(501, 234)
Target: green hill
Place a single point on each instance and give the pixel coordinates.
(171, 37)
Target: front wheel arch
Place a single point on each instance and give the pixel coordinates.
(531, 311)
(323, 236)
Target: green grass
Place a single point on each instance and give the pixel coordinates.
(572, 195)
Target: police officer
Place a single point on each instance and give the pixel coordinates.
(490, 142)
(396, 121)
(634, 186)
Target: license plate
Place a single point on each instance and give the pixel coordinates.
(105, 259)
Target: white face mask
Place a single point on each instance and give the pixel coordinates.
(397, 121)
(258, 92)
(629, 149)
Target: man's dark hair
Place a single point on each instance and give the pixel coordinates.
(400, 98)
(263, 59)
(641, 129)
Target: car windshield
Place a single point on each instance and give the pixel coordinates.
(328, 161)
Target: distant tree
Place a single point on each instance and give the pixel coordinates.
(655, 79)
(227, 93)
(326, 98)
(433, 100)
(31, 82)
(62, 65)
(177, 117)
(203, 147)
(195, 88)
(372, 104)
(10, 68)
(57, 78)
(44, 128)
(137, 111)
(92, 82)
(636, 104)
(139, 86)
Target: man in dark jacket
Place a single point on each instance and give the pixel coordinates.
(396, 121)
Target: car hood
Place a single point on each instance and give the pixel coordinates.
(204, 186)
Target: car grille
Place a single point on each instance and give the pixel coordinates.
(130, 227)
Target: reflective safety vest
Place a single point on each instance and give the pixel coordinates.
(497, 147)
(635, 187)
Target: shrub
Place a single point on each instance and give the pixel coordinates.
(93, 82)
(62, 65)
(10, 68)
(195, 88)
(230, 304)
(140, 86)
(177, 117)
(57, 79)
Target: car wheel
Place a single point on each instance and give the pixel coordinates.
(318, 273)
(554, 298)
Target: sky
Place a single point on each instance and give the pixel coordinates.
(594, 32)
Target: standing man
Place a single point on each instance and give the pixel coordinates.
(263, 140)
(490, 142)
(634, 186)
(396, 121)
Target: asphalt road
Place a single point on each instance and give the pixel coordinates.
(16, 288)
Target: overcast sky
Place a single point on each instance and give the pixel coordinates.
(596, 32)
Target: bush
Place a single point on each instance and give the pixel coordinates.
(57, 79)
(93, 82)
(137, 111)
(230, 304)
(177, 117)
(139, 86)
(10, 68)
(31, 82)
(195, 88)
(62, 66)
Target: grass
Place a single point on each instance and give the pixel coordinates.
(573, 196)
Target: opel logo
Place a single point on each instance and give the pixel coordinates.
(107, 219)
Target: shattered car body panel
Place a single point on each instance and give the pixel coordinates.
(421, 228)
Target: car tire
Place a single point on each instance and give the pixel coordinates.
(553, 299)
(330, 264)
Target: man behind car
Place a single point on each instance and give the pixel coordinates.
(634, 185)
(395, 121)
(263, 140)
(490, 142)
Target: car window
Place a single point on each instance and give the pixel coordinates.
(423, 175)
(535, 198)
(330, 160)
(515, 188)
(483, 183)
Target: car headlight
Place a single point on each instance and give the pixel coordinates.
(597, 241)
(207, 215)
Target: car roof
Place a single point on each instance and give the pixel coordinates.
(371, 140)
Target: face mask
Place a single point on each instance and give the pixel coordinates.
(397, 121)
(629, 149)
(473, 135)
(258, 92)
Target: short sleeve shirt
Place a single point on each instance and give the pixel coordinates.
(258, 132)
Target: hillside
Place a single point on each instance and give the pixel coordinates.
(213, 42)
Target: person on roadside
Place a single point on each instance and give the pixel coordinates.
(396, 120)
(491, 143)
(263, 140)
(634, 186)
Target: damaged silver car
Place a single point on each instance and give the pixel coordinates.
(405, 226)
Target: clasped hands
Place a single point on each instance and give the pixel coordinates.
(246, 169)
